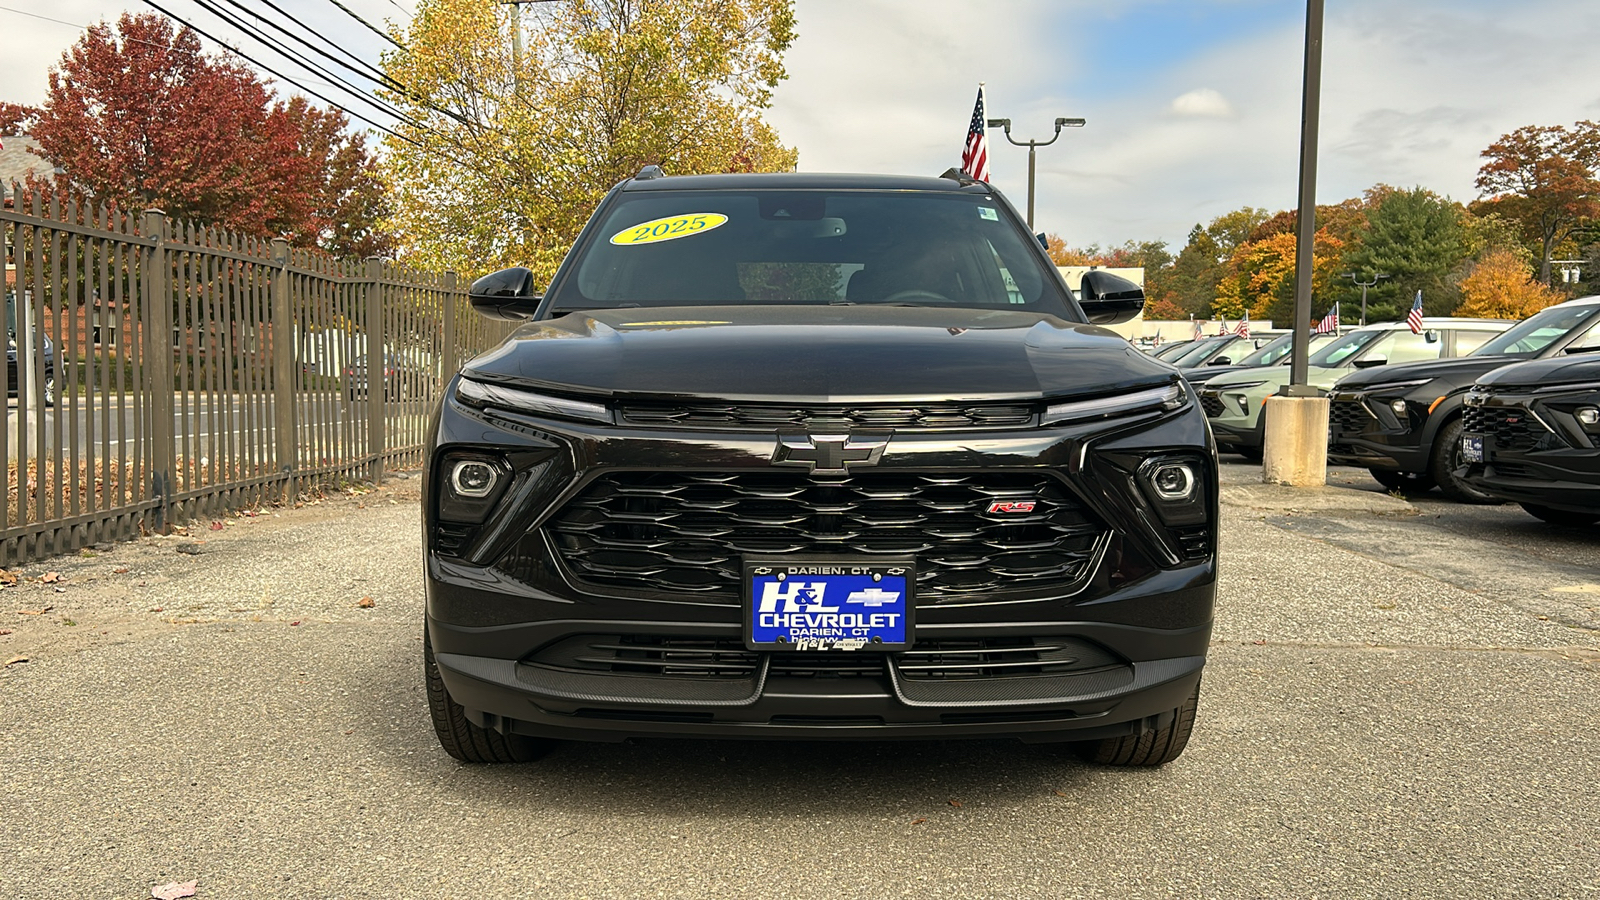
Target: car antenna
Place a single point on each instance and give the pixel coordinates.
(649, 172)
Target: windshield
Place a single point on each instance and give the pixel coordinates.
(1271, 353)
(1336, 353)
(700, 248)
(1199, 351)
(1530, 336)
(1172, 351)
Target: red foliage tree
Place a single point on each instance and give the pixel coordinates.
(141, 117)
(1543, 177)
(16, 118)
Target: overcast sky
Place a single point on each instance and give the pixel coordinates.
(1193, 106)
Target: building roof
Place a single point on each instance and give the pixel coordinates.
(18, 161)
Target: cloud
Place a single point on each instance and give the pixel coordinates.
(1203, 103)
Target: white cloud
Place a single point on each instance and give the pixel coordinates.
(1203, 103)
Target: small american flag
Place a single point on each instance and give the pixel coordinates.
(1414, 318)
(1244, 325)
(1199, 329)
(1329, 323)
(975, 156)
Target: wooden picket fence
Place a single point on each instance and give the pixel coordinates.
(167, 371)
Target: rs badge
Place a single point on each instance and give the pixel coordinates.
(1011, 506)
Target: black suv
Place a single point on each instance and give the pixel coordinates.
(816, 456)
(1404, 422)
(1531, 434)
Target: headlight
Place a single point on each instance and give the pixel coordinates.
(1174, 481)
(1398, 406)
(1176, 486)
(1587, 416)
(471, 482)
(477, 393)
(1164, 399)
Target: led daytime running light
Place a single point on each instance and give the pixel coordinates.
(1167, 398)
(480, 394)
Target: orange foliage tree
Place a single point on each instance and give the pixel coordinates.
(1501, 287)
(1260, 276)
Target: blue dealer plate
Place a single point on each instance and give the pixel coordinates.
(828, 605)
(1472, 448)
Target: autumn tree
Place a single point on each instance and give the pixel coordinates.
(139, 116)
(1191, 281)
(1417, 238)
(1501, 287)
(1543, 178)
(505, 157)
(16, 118)
(1260, 276)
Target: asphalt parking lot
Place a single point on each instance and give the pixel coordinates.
(1400, 703)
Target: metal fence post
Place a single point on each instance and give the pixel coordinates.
(377, 365)
(448, 361)
(156, 298)
(283, 395)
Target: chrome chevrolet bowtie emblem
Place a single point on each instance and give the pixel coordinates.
(827, 453)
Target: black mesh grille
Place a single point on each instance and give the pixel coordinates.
(1211, 402)
(727, 658)
(1349, 415)
(1513, 428)
(687, 532)
(823, 417)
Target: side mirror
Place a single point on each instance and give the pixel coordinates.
(1107, 299)
(1044, 240)
(1220, 361)
(507, 294)
(1370, 363)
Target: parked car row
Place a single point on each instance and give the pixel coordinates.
(1485, 412)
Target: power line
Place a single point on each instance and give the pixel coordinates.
(375, 29)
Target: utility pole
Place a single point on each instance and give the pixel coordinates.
(1032, 146)
(516, 38)
(1364, 285)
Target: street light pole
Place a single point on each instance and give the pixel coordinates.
(1033, 146)
(1364, 285)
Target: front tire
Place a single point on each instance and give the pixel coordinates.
(49, 389)
(1152, 748)
(1444, 459)
(464, 740)
(1560, 516)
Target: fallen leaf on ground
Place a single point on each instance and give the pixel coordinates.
(14, 660)
(7, 577)
(1057, 793)
(4, 632)
(366, 603)
(34, 612)
(216, 526)
(50, 578)
(120, 570)
(955, 803)
(296, 622)
(918, 821)
(191, 549)
(175, 890)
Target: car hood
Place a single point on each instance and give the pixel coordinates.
(1274, 377)
(819, 354)
(1555, 370)
(1463, 370)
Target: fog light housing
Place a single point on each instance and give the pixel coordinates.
(473, 478)
(1587, 416)
(1399, 407)
(1173, 482)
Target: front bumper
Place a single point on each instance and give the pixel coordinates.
(504, 601)
(1534, 450)
(1372, 436)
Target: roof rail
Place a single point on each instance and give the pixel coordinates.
(649, 172)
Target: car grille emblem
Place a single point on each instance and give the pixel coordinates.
(1011, 506)
(828, 454)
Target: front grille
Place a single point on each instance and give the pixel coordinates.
(1513, 428)
(1211, 402)
(1349, 415)
(815, 418)
(688, 532)
(727, 658)
(1507, 470)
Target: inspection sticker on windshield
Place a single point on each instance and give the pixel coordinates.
(668, 229)
(817, 606)
(988, 212)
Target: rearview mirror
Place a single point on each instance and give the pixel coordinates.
(507, 294)
(1107, 299)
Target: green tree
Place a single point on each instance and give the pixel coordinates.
(1417, 238)
(505, 157)
(1191, 281)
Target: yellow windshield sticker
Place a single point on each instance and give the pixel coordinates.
(669, 229)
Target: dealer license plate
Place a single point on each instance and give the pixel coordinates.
(828, 605)
(1472, 448)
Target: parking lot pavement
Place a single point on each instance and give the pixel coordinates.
(1392, 710)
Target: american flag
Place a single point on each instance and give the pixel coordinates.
(975, 156)
(1244, 325)
(1198, 330)
(1414, 318)
(1329, 323)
